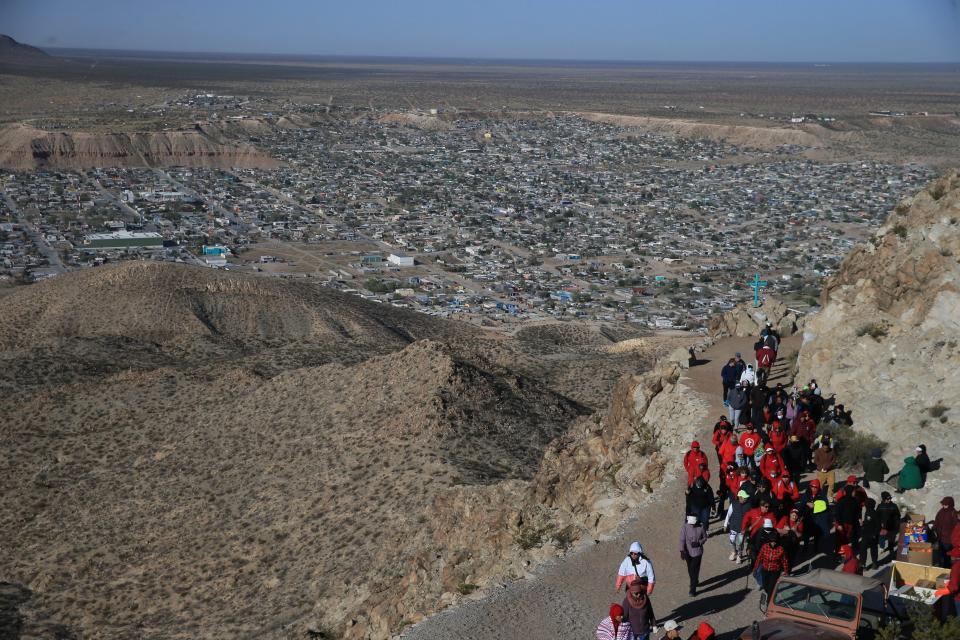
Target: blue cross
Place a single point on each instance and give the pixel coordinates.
(756, 284)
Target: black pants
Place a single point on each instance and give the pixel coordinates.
(769, 579)
(869, 546)
(892, 545)
(693, 570)
(726, 390)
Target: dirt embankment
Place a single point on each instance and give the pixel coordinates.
(23, 147)
(740, 135)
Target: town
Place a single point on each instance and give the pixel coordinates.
(492, 218)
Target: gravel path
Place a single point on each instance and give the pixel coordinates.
(567, 598)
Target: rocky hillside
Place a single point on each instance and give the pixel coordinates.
(194, 453)
(10, 49)
(887, 340)
(745, 320)
(23, 147)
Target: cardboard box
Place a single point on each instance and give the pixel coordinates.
(920, 553)
(905, 576)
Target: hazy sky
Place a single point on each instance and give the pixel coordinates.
(717, 30)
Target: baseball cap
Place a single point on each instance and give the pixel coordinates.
(671, 625)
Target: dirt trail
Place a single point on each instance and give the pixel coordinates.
(565, 599)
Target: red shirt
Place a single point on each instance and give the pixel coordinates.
(753, 520)
(732, 480)
(750, 441)
(785, 524)
(778, 439)
(728, 451)
(772, 559)
(769, 463)
(852, 566)
(954, 584)
(786, 489)
(719, 437)
(691, 462)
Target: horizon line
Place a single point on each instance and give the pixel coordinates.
(492, 59)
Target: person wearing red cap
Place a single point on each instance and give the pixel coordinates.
(704, 632)
(850, 562)
(692, 460)
(614, 627)
(944, 524)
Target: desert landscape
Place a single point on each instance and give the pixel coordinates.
(319, 347)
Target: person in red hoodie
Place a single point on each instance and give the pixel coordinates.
(753, 523)
(850, 562)
(779, 436)
(692, 460)
(806, 430)
(704, 632)
(787, 493)
(766, 356)
(728, 450)
(771, 465)
(945, 524)
(721, 433)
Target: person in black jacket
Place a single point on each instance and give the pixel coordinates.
(870, 535)
(794, 457)
(847, 511)
(888, 516)
(923, 462)
(730, 375)
(700, 499)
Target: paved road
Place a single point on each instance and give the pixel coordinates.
(566, 599)
(48, 252)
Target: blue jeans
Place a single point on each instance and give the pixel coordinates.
(704, 516)
(642, 636)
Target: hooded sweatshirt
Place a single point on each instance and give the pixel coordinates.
(910, 477)
(946, 520)
(640, 614)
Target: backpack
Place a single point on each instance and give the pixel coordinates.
(770, 341)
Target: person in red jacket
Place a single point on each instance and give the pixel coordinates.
(721, 433)
(806, 429)
(850, 562)
(692, 460)
(753, 523)
(790, 528)
(750, 440)
(944, 524)
(779, 436)
(787, 493)
(728, 450)
(771, 465)
(766, 356)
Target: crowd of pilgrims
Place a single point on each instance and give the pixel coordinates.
(770, 439)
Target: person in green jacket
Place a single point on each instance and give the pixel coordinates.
(910, 477)
(874, 468)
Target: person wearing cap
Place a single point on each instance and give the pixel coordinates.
(728, 486)
(753, 523)
(849, 559)
(729, 376)
(733, 524)
(819, 524)
(888, 516)
(634, 567)
(693, 535)
(614, 627)
(771, 560)
(944, 523)
(721, 433)
(825, 459)
(786, 492)
(737, 400)
(692, 460)
(704, 632)
(638, 610)
(875, 469)
(671, 629)
(779, 436)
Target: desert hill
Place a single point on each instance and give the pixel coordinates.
(24, 147)
(887, 340)
(11, 50)
(193, 453)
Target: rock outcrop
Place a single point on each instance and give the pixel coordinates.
(23, 147)
(746, 320)
(887, 340)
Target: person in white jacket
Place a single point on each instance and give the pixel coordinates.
(635, 566)
(749, 375)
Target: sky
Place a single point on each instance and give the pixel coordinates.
(628, 30)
